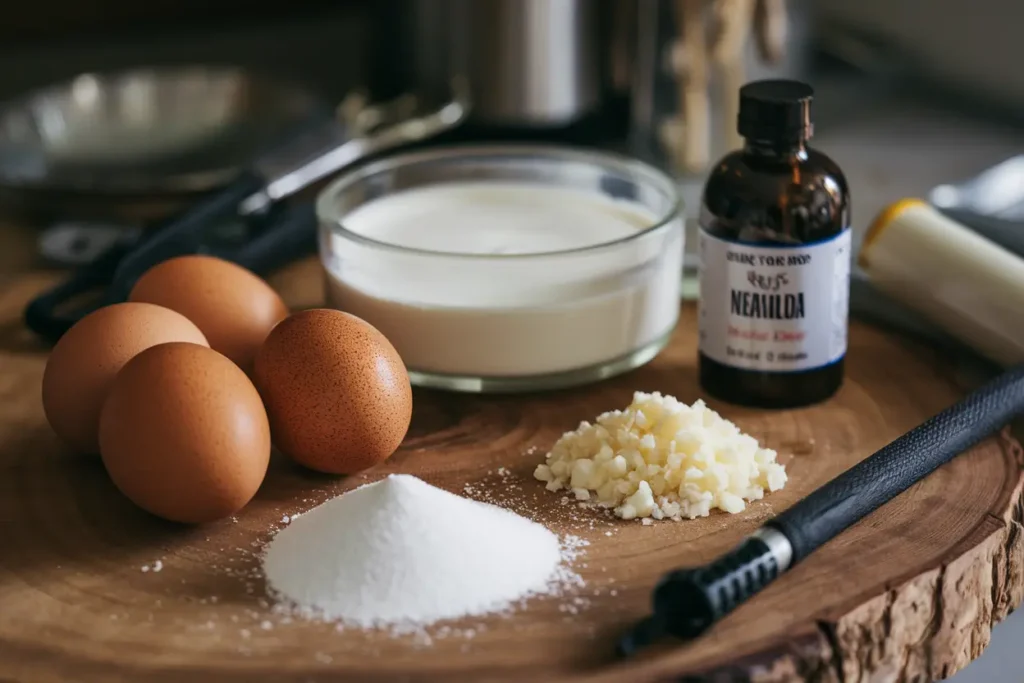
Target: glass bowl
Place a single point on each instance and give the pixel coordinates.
(583, 285)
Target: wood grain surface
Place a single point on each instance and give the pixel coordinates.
(911, 593)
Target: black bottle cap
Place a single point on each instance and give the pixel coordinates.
(776, 111)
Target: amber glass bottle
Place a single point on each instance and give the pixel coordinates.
(775, 259)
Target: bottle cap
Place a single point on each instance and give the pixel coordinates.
(776, 111)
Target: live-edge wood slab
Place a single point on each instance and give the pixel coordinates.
(910, 594)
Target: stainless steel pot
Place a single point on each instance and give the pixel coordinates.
(663, 73)
(527, 63)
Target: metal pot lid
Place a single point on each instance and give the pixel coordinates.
(147, 131)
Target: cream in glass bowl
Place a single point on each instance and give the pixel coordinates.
(504, 268)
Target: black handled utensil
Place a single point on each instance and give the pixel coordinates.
(689, 601)
(285, 234)
(323, 149)
(253, 196)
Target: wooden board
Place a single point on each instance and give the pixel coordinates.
(909, 594)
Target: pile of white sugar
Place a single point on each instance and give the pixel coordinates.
(402, 553)
(662, 458)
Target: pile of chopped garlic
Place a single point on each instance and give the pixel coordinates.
(661, 458)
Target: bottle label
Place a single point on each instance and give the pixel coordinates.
(775, 308)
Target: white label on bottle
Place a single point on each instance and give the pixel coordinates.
(774, 308)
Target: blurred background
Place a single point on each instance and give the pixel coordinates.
(911, 94)
(115, 112)
(900, 83)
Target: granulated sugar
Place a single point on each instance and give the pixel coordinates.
(402, 553)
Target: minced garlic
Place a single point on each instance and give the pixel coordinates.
(661, 458)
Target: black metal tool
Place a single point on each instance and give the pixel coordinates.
(689, 601)
(286, 233)
(182, 233)
(323, 148)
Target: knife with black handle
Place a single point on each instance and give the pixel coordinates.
(687, 602)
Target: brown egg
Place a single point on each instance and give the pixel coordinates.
(184, 435)
(84, 362)
(336, 391)
(234, 308)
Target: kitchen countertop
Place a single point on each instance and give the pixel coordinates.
(890, 145)
(936, 571)
(893, 145)
(899, 148)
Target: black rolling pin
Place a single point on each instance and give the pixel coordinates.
(688, 601)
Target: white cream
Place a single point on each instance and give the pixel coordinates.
(534, 307)
(496, 218)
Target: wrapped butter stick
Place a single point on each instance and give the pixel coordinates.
(871, 305)
(962, 282)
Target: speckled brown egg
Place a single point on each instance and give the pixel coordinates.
(84, 362)
(233, 307)
(336, 391)
(184, 435)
